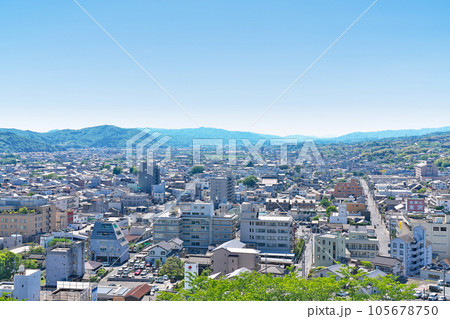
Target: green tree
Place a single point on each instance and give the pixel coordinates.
(366, 264)
(173, 267)
(101, 272)
(158, 263)
(298, 247)
(197, 169)
(94, 279)
(325, 202)
(117, 170)
(31, 264)
(6, 296)
(23, 210)
(265, 287)
(9, 263)
(331, 209)
(36, 249)
(250, 181)
(134, 170)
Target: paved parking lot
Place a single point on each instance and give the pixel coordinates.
(134, 281)
(423, 286)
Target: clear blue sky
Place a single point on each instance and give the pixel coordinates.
(225, 62)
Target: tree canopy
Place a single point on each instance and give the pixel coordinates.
(117, 170)
(197, 169)
(9, 263)
(250, 181)
(173, 267)
(253, 286)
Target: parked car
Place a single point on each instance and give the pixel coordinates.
(160, 280)
(418, 294)
(144, 273)
(165, 277)
(130, 275)
(442, 298)
(435, 288)
(425, 295)
(137, 272)
(433, 297)
(149, 264)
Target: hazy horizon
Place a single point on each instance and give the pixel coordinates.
(247, 131)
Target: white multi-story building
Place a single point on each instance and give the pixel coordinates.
(413, 249)
(197, 224)
(339, 217)
(266, 232)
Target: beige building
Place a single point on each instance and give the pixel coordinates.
(233, 255)
(38, 220)
(437, 232)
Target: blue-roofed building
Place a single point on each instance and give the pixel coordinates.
(108, 243)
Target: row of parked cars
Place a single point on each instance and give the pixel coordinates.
(434, 296)
(140, 269)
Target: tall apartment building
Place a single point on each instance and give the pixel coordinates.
(148, 176)
(64, 262)
(347, 189)
(266, 232)
(426, 170)
(197, 224)
(413, 249)
(108, 243)
(38, 220)
(222, 190)
(329, 248)
(360, 245)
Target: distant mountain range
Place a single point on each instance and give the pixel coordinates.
(14, 140)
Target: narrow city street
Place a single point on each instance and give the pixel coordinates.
(307, 256)
(375, 217)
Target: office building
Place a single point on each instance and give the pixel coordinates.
(266, 232)
(108, 243)
(197, 225)
(30, 222)
(149, 175)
